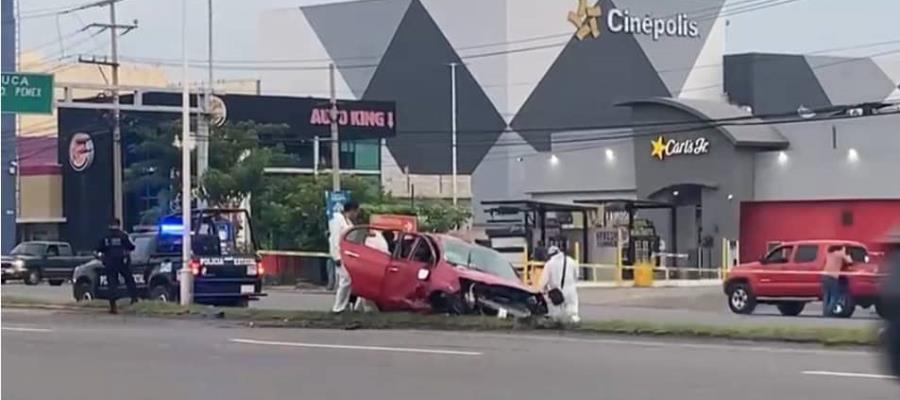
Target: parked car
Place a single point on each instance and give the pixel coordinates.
(224, 263)
(789, 276)
(430, 272)
(35, 261)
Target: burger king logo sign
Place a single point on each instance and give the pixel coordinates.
(81, 151)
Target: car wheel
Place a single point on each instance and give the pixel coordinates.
(845, 307)
(741, 299)
(83, 291)
(33, 277)
(791, 308)
(160, 293)
(55, 282)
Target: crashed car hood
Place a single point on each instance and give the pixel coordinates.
(489, 279)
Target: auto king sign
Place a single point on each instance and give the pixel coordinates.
(27, 93)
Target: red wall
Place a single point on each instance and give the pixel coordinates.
(763, 222)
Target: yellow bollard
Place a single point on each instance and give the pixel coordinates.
(643, 275)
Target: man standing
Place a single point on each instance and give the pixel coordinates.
(835, 260)
(560, 274)
(340, 223)
(114, 249)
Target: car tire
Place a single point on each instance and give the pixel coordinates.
(161, 292)
(33, 277)
(55, 282)
(83, 291)
(791, 308)
(741, 299)
(845, 308)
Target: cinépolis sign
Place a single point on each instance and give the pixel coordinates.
(586, 19)
(663, 148)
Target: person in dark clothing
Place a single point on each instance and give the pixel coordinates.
(115, 249)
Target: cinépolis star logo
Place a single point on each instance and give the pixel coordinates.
(585, 20)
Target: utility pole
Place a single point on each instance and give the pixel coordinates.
(453, 129)
(335, 150)
(113, 63)
(185, 274)
(204, 121)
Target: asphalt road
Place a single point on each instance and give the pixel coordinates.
(50, 355)
(704, 305)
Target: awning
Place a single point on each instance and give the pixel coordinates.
(753, 133)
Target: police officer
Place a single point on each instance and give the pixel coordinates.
(115, 249)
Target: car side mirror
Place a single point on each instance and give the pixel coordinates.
(423, 274)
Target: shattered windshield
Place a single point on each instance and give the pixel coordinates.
(460, 253)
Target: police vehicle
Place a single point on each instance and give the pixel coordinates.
(225, 266)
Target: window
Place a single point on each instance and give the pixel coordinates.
(405, 246)
(65, 250)
(52, 250)
(858, 254)
(143, 246)
(806, 253)
(780, 255)
(382, 241)
(357, 236)
(423, 252)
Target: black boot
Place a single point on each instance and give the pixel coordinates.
(113, 308)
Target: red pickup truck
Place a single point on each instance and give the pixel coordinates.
(790, 275)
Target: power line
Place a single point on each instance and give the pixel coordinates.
(222, 63)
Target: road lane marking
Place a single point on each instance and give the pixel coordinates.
(738, 346)
(848, 375)
(365, 348)
(24, 329)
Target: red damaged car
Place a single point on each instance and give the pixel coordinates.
(431, 272)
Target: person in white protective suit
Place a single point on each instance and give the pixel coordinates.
(340, 223)
(561, 272)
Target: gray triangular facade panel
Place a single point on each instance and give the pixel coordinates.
(415, 73)
(585, 83)
(356, 33)
(850, 80)
(773, 84)
(674, 57)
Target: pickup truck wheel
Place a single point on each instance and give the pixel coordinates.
(845, 307)
(83, 291)
(160, 293)
(791, 308)
(741, 299)
(55, 282)
(33, 277)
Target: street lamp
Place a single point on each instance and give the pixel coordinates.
(185, 274)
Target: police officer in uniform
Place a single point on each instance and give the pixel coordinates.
(115, 249)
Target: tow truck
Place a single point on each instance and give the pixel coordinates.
(224, 262)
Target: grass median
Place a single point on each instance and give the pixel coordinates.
(830, 336)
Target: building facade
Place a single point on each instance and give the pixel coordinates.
(568, 101)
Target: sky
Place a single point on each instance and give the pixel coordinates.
(799, 26)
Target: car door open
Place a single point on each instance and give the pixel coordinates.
(401, 281)
(366, 256)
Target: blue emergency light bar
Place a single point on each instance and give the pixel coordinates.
(171, 229)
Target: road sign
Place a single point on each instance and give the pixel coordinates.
(27, 93)
(334, 202)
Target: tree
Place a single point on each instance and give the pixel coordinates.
(236, 164)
